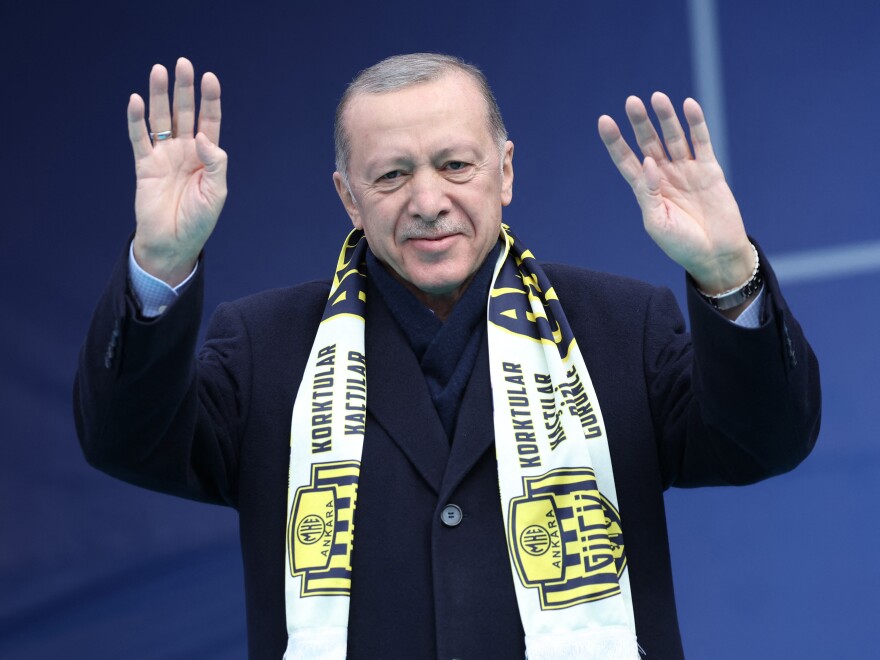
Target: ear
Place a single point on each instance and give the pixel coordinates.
(347, 200)
(507, 174)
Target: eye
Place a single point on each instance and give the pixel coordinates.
(458, 171)
(390, 176)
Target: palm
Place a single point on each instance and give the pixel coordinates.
(169, 203)
(698, 215)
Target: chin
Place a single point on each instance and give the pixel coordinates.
(436, 286)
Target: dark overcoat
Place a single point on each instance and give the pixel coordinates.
(723, 405)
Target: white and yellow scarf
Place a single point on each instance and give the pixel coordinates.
(558, 498)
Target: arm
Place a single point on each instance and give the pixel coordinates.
(731, 405)
(735, 405)
(145, 411)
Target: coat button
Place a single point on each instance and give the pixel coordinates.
(451, 516)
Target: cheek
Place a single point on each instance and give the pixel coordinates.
(374, 220)
(380, 233)
(383, 216)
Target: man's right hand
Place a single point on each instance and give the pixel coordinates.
(181, 180)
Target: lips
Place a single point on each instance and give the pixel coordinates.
(431, 238)
(433, 243)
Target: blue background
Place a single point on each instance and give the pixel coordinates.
(93, 568)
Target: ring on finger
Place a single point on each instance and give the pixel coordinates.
(161, 135)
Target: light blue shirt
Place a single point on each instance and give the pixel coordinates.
(153, 295)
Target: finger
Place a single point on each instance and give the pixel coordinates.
(209, 112)
(184, 99)
(624, 159)
(137, 128)
(673, 135)
(646, 136)
(699, 130)
(160, 115)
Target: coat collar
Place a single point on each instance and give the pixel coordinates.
(397, 395)
(475, 430)
(399, 401)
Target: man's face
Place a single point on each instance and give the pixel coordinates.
(427, 182)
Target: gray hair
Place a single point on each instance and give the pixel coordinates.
(400, 71)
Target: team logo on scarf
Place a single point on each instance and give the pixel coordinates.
(320, 529)
(565, 539)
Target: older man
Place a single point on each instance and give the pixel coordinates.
(451, 450)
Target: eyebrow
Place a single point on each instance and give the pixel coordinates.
(464, 149)
(387, 164)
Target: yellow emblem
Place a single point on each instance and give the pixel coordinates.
(321, 527)
(565, 538)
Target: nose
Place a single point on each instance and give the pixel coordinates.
(428, 200)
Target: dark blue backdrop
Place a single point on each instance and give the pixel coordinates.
(93, 568)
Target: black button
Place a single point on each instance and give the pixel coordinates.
(451, 515)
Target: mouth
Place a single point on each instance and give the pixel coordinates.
(433, 243)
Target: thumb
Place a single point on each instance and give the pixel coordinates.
(651, 200)
(212, 183)
(212, 156)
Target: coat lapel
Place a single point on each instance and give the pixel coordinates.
(475, 430)
(398, 397)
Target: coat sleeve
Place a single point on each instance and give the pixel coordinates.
(731, 405)
(146, 410)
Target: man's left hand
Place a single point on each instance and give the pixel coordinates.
(687, 206)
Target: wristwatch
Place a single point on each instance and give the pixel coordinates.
(738, 294)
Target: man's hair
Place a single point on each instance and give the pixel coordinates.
(401, 71)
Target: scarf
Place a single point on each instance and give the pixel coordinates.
(445, 350)
(556, 481)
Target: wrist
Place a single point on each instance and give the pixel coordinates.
(738, 295)
(166, 264)
(724, 272)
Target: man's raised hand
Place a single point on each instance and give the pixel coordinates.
(687, 206)
(181, 180)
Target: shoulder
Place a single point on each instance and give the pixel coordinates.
(285, 300)
(567, 274)
(610, 295)
(275, 312)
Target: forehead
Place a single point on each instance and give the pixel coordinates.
(449, 108)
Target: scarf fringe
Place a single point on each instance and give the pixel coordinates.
(609, 643)
(317, 644)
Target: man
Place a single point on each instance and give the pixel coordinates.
(372, 522)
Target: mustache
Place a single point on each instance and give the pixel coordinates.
(443, 226)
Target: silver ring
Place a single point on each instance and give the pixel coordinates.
(161, 135)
